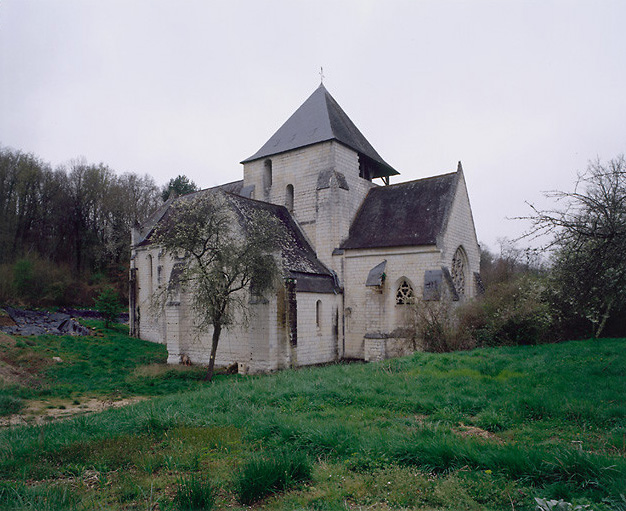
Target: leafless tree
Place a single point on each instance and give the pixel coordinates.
(587, 232)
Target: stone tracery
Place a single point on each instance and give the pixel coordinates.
(459, 266)
(404, 295)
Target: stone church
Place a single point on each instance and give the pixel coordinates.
(359, 251)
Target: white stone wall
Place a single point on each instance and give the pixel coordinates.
(325, 215)
(317, 344)
(147, 261)
(460, 231)
(237, 342)
(298, 168)
(373, 310)
(337, 207)
(259, 341)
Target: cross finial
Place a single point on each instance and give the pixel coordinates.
(322, 75)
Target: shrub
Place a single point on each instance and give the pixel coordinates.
(268, 472)
(108, 304)
(24, 281)
(35, 281)
(194, 493)
(510, 313)
(10, 404)
(436, 327)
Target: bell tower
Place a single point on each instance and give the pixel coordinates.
(320, 167)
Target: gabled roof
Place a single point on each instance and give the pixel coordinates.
(320, 119)
(405, 214)
(298, 257)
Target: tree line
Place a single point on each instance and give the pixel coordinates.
(77, 215)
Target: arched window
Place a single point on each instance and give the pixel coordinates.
(404, 295)
(289, 197)
(267, 174)
(459, 271)
(318, 314)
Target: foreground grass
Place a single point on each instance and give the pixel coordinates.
(488, 429)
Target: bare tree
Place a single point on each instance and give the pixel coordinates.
(225, 255)
(588, 236)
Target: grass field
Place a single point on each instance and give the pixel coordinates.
(108, 366)
(487, 429)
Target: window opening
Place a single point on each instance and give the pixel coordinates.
(404, 296)
(267, 174)
(150, 274)
(364, 168)
(458, 271)
(318, 314)
(289, 198)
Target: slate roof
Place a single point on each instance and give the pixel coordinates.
(298, 257)
(405, 214)
(320, 119)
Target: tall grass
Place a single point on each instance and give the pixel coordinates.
(194, 493)
(530, 404)
(44, 497)
(9, 402)
(268, 472)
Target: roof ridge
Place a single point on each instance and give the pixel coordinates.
(419, 180)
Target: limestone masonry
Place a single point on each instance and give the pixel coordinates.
(371, 251)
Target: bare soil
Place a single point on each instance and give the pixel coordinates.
(44, 411)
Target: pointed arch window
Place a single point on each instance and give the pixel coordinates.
(289, 198)
(459, 272)
(405, 295)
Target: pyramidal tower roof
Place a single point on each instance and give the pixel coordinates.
(320, 119)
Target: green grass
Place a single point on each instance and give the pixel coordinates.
(487, 429)
(109, 363)
(193, 493)
(269, 472)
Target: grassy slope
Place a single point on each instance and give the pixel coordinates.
(487, 429)
(109, 364)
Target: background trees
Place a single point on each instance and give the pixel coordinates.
(71, 224)
(180, 185)
(223, 260)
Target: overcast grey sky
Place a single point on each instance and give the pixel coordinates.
(524, 93)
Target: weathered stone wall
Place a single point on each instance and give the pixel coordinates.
(152, 270)
(373, 310)
(324, 215)
(460, 232)
(336, 206)
(298, 168)
(318, 341)
(377, 348)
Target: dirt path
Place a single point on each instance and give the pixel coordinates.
(45, 411)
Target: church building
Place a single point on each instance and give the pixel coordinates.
(359, 252)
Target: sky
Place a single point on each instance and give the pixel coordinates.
(524, 93)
